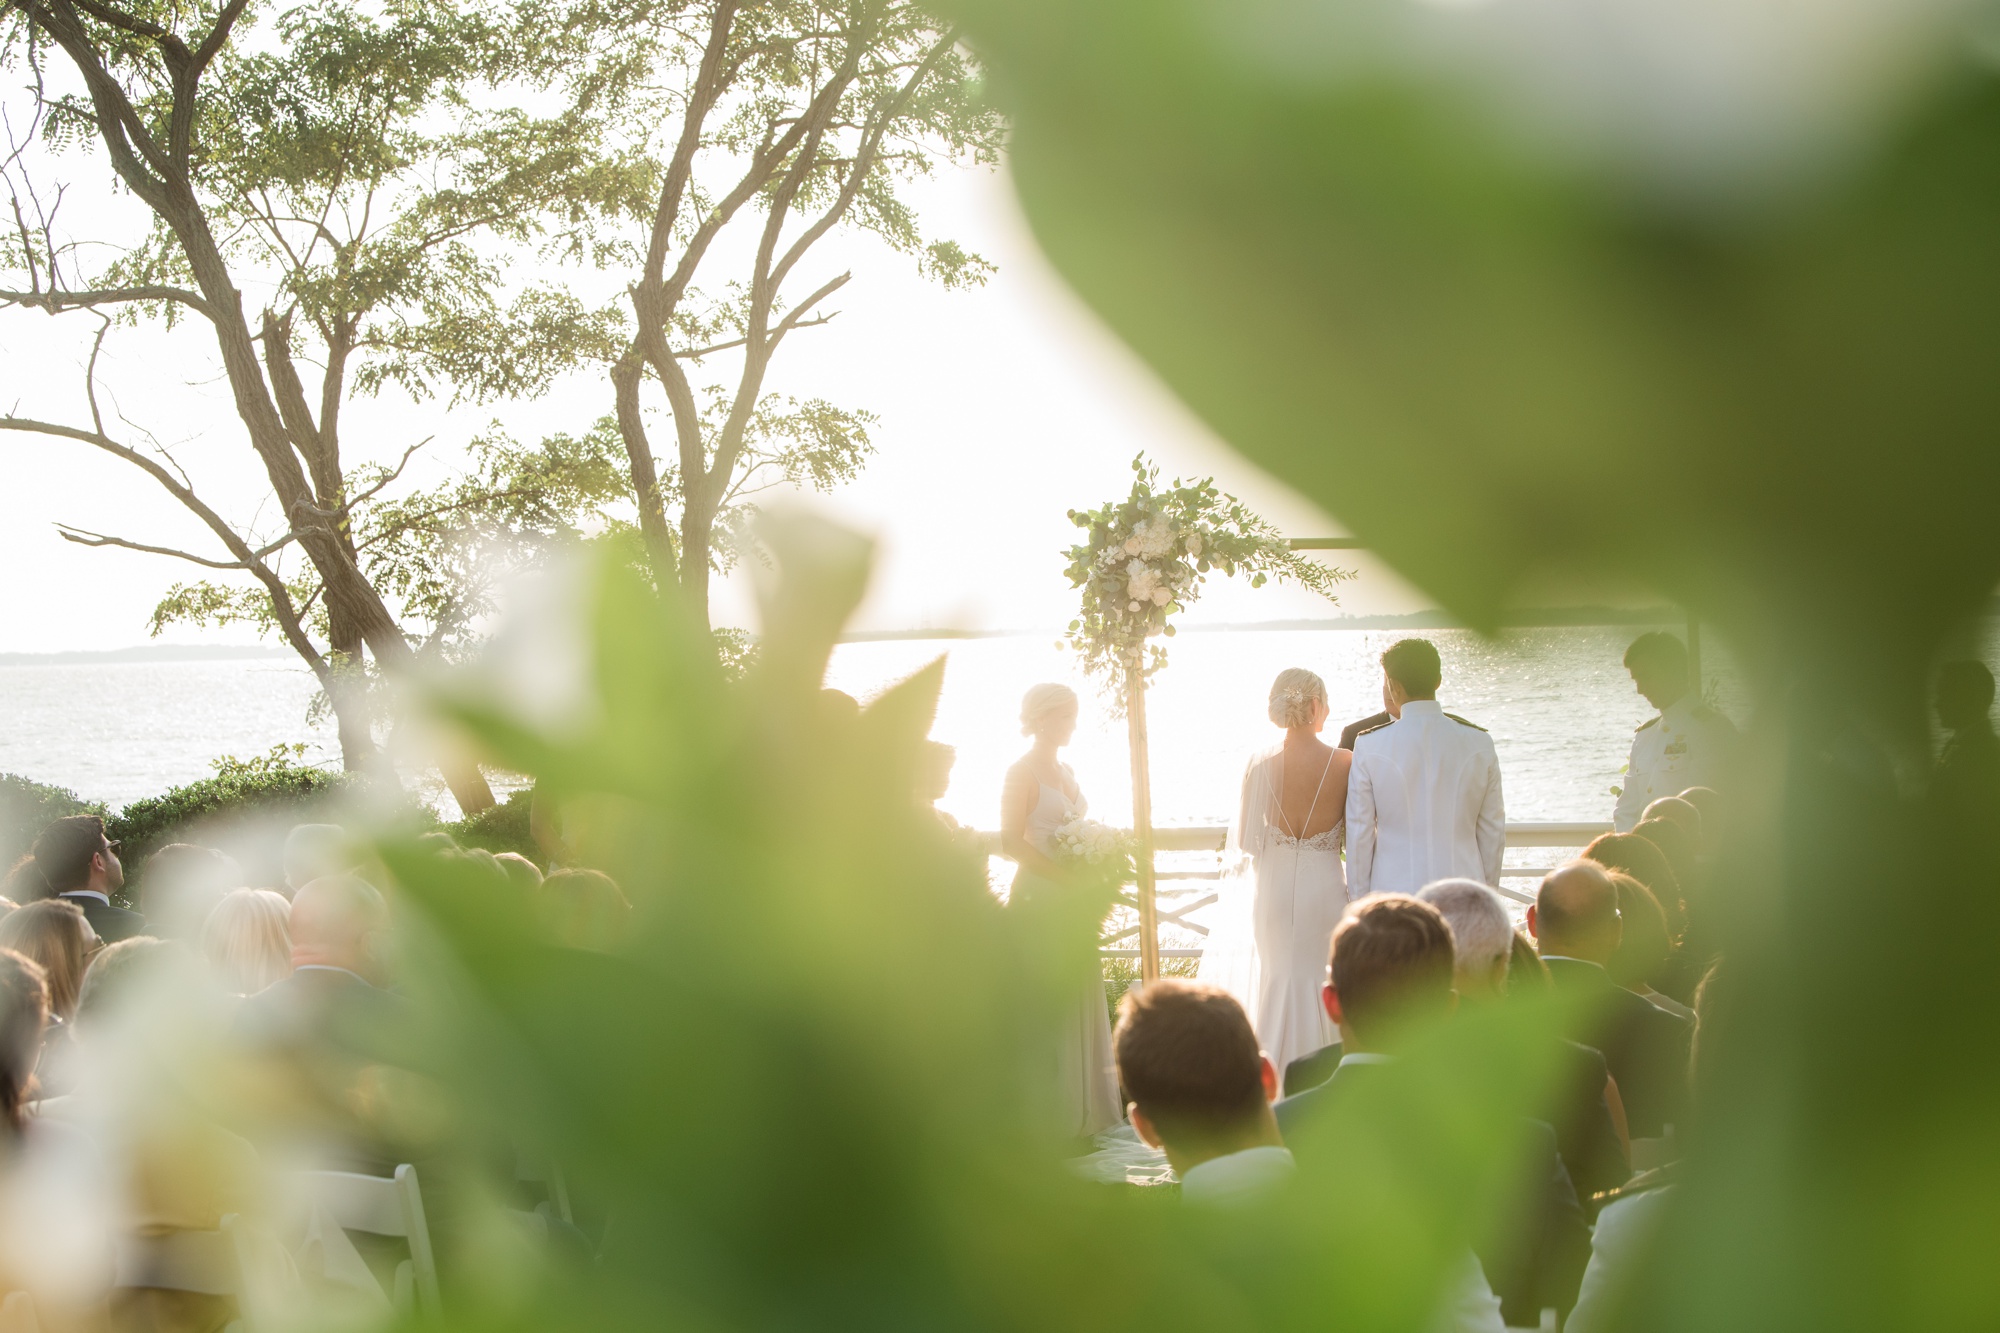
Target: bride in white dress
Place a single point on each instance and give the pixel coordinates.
(1040, 796)
(1284, 887)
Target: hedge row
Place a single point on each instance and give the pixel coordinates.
(269, 788)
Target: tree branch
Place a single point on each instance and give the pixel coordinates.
(84, 537)
(57, 303)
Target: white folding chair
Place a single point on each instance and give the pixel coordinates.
(383, 1207)
(543, 1171)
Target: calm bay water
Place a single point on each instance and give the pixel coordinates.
(1559, 705)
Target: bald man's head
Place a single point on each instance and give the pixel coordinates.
(339, 921)
(1576, 913)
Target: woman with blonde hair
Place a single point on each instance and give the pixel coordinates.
(247, 940)
(1039, 797)
(54, 933)
(1286, 888)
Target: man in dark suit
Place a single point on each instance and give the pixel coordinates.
(80, 865)
(1392, 966)
(1366, 724)
(1575, 923)
(325, 1028)
(1577, 1105)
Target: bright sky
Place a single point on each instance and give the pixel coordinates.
(1000, 409)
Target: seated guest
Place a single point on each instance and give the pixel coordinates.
(247, 940)
(1390, 974)
(51, 1177)
(1579, 1107)
(1708, 804)
(323, 1028)
(1200, 1088)
(74, 860)
(586, 910)
(1575, 921)
(1678, 846)
(1643, 860)
(183, 883)
(176, 1169)
(1631, 1217)
(24, 1009)
(316, 851)
(522, 873)
(1676, 810)
(1644, 952)
(55, 935)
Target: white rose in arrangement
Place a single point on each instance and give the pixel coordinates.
(1132, 545)
(1194, 544)
(1087, 842)
(1156, 536)
(1141, 580)
(1161, 597)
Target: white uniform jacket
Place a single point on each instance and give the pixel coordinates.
(1423, 804)
(1687, 745)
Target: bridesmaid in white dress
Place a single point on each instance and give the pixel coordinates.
(1039, 797)
(1269, 942)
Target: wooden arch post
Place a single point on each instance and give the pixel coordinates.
(1142, 825)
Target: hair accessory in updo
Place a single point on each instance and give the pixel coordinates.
(1042, 702)
(1293, 695)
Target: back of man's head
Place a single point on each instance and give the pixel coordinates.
(1189, 1061)
(117, 973)
(1964, 694)
(63, 851)
(338, 921)
(1658, 657)
(1392, 962)
(1482, 935)
(314, 851)
(1414, 664)
(183, 883)
(1576, 913)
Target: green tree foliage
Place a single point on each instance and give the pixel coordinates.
(757, 130)
(361, 173)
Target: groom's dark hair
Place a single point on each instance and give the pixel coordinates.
(1414, 664)
(1187, 1058)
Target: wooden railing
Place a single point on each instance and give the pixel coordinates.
(1179, 883)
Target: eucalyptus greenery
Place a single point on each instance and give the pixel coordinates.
(1147, 557)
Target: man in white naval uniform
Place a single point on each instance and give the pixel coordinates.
(1687, 745)
(1423, 797)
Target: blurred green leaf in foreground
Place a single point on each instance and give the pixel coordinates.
(803, 1092)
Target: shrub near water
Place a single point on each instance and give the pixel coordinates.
(274, 784)
(26, 807)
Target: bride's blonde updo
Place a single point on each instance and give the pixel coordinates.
(1293, 695)
(1043, 702)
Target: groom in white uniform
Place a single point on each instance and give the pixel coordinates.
(1423, 798)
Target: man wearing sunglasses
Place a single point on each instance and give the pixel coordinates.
(81, 865)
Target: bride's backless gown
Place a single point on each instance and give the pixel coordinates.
(1275, 919)
(1087, 1074)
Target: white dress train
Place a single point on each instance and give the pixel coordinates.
(1277, 904)
(1087, 1071)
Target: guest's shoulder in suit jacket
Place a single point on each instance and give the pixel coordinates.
(1309, 1071)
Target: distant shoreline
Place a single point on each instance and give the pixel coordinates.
(1526, 618)
(1557, 617)
(152, 652)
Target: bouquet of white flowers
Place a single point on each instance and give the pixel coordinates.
(1085, 842)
